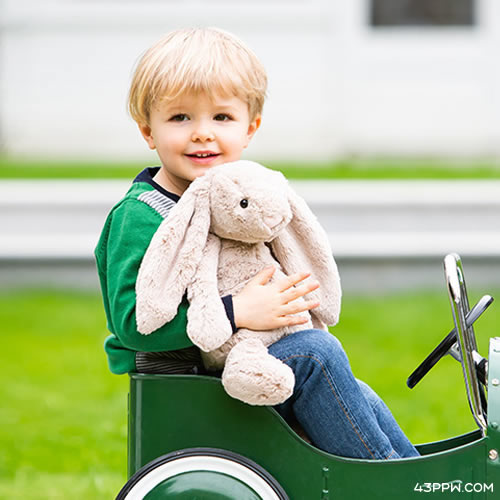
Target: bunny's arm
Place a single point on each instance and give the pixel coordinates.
(208, 325)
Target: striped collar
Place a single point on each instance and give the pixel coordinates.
(147, 176)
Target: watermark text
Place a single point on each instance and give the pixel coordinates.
(454, 487)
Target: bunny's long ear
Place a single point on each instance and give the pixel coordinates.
(304, 246)
(172, 257)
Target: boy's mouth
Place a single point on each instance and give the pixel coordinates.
(203, 154)
(203, 157)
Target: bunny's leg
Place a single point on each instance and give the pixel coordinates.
(252, 375)
(208, 325)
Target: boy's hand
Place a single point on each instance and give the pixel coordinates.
(263, 306)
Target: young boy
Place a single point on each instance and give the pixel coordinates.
(197, 96)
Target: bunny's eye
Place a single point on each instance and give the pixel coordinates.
(244, 203)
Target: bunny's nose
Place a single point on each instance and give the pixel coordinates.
(272, 220)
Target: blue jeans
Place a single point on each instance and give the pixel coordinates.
(340, 414)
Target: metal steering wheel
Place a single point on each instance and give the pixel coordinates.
(461, 341)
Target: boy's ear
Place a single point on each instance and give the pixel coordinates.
(253, 127)
(146, 133)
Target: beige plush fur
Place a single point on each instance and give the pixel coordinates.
(211, 246)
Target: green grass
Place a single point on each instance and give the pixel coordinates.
(374, 168)
(26, 168)
(63, 415)
(387, 168)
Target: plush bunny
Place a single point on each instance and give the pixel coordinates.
(229, 224)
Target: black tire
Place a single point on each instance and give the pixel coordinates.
(159, 468)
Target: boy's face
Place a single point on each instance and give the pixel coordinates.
(195, 133)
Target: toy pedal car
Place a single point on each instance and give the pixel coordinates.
(189, 440)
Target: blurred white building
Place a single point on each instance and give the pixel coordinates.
(364, 77)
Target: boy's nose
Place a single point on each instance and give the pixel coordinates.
(202, 133)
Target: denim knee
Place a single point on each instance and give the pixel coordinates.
(370, 395)
(316, 346)
(321, 345)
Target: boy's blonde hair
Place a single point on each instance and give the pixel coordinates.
(196, 60)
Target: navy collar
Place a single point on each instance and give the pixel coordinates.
(147, 176)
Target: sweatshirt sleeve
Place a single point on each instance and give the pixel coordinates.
(127, 235)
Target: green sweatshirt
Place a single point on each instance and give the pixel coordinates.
(124, 239)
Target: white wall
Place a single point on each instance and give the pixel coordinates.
(336, 86)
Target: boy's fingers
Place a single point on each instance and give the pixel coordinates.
(298, 307)
(293, 320)
(263, 277)
(289, 281)
(299, 291)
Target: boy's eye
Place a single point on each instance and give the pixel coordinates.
(222, 117)
(181, 117)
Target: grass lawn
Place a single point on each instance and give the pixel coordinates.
(373, 168)
(63, 415)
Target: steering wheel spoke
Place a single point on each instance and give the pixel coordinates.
(449, 345)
